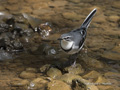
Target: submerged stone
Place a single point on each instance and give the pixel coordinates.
(75, 70)
(27, 75)
(58, 85)
(38, 83)
(54, 72)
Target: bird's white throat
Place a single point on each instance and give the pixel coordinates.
(66, 44)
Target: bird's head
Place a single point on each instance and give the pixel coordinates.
(66, 37)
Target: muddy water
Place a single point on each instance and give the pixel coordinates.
(30, 56)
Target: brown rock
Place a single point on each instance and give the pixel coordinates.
(27, 75)
(92, 74)
(12, 1)
(75, 70)
(69, 78)
(43, 11)
(44, 68)
(71, 15)
(26, 9)
(32, 70)
(19, 82)
(112, 74)
(40, 5)
(58, 85)
(116, 4)
(38, 83)
(111, 55)
(102, 81)
(54, 72)
(113, 18)
(94, 63)
(57, 3)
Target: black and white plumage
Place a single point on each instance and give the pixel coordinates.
(73, 41)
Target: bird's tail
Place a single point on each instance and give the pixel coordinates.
(88, 19)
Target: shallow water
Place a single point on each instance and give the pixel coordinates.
(30, 56)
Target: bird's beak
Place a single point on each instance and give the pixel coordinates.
(59, 39)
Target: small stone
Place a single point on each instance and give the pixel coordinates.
(102, 80)
(69, 78)
(38, 83)
(100, 19)
(27, 75)
(57, 3)
(71, 15)
(113, 18)
(44, 68)
(94, 62)
(112, 74)
(19, 82)
(32, 70)
(116, 4)
(58, 85)
(54, 72)
(111, 55)
(75, 70)
(92, 74)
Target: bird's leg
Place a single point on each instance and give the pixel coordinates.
(73, 59)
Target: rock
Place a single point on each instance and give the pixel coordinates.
(32, 70)
(26, 9)
(75, 70)
(111, 55)
(43, 11)
(19, 82)
(38, 83)
(100, 19)
(70, 78)
(14, 7)
(102, 81)
(40, 5)
(116, 4)
(27, 75)
(113, 18)
(112, 74)
(108, 87)
(92, 74)
(71, 15)
(57, 3)
(75, 1)
(54, 72)
(58, 85)
(116, 49)
(12, 2)
(93, 62)
(44, 68)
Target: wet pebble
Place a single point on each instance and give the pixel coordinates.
(38, 83)
(54, 72)
(27, 75)
(75, 70)
(19, 82)
(44, 68)
(113, 18)
(112, 74)
(32, 70)
(92, 75)
(58, 85)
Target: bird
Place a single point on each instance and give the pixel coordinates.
(73, 41)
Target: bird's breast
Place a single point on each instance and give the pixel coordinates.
(66, 44)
